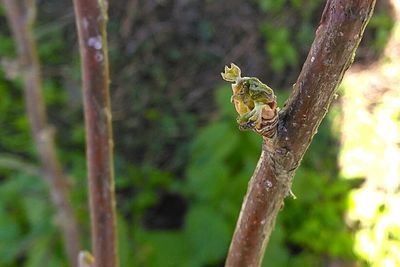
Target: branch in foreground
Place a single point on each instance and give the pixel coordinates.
(91, 16)
(332, 52)
(21, 16)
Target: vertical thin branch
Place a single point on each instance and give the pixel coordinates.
(332, 52)
(91, 18)
(21, 14)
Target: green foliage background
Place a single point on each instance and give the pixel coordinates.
(182, 166)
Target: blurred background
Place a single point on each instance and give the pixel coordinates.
(182, 166)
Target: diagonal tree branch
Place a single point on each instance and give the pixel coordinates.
(332, 52)
(21, 14)
(91, 17)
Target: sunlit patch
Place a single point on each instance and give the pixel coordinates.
(371, 150)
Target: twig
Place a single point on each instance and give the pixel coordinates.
(15, 163)
(332, 52)
(91, 17)
(21, 14)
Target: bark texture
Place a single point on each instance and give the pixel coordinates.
(21, 15)
(91, 18)
(332, 52)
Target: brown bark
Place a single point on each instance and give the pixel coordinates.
(91, 17)
(20, 14)
(332, 52)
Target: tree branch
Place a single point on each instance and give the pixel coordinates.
(21, 14)
(332, 52)
(91, 17)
